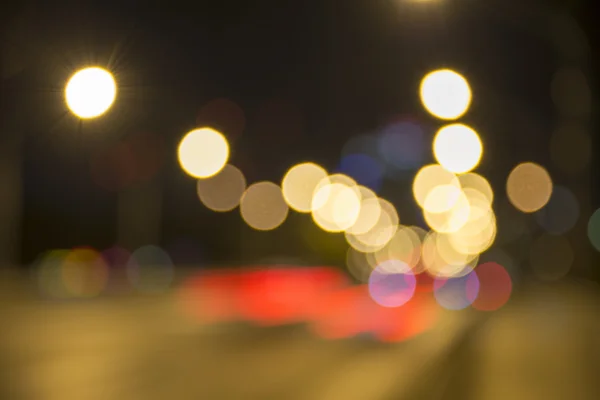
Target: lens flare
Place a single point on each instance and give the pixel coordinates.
(90, 92)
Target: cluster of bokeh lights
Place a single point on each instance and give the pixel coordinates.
(457, 203)
(84, 273)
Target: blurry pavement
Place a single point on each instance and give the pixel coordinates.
(545, 344)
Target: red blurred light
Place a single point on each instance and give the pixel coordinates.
(320, 296)
(495, 287)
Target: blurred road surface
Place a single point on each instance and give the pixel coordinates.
(545, 344)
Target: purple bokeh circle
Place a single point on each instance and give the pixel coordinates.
(392, 284)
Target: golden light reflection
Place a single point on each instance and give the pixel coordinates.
(203, 152)
(370, 210)
(445, 94)
(473, 180)
(404, 246)
(442, 198)
(262, 206)
(430, 177)
(452, 255)
(436, 265)
(90, 92)
(381, 233)
(476, 236)
(457, 148)
(336, 203)
(299, 185)
(479, 232)
(529, 187)
(452, 219)
(223, 191)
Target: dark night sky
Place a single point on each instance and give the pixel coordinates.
(330, 70)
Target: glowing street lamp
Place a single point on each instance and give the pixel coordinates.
(90, 92)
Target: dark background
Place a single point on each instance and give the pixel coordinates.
(308, 75)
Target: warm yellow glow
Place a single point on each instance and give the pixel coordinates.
(436, 265)
(472, 180)
(223, 191)
(404, 246)
(451, 255)
(336, 206)
(478, 234)
(382, 232)
(445, 94)
(529, 187)
(430, 177)
(203, 152)
(452, 219)
(369, 212)
(457, 148)
(442, 198)
(321, 193)
(299, 185)
(90, 92)
(262, 206)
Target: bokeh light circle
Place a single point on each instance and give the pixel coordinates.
(456, 293)
(369, 212)
(495, 287)
(472, 180)
(358, 265)
(380, 234)
(340, 207)
(392, 284)
(263, 207)
(223, 191)
(90, 92)
(203, 152)
(150, 269)
(445, 94)
(299, 185)
(84, 273)
(430, 177)
(529, 187)
(457, 148)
